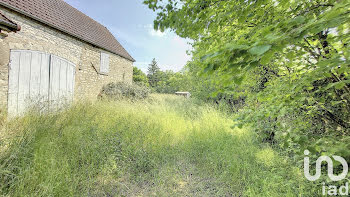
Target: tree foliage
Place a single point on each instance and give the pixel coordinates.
(139, 77)
(153, 73)
(167, 82)
(287, 61)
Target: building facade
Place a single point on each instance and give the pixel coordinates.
(42, 61)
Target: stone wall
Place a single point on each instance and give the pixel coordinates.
(39, 37)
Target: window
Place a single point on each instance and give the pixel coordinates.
(104, 67)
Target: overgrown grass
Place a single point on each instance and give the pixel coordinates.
(163, 146)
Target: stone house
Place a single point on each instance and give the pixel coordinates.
(50, 51)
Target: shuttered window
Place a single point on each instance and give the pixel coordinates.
(104, 68)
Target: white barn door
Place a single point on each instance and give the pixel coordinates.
(38, 78)
(28, 79)
(62, 80)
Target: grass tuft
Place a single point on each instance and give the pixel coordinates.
(162, 146)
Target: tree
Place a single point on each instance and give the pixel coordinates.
(140, 77)
(293, 56)
(239, 35)
(153, 73)
(166, 83)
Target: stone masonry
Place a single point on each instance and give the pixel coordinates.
(39, 37)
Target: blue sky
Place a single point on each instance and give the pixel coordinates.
(131, 22)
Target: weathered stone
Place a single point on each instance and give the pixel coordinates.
(40, 37)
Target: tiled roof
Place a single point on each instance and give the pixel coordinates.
(60, 15)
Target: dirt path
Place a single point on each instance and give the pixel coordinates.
(182, 179)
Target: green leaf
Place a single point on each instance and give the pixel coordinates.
(299, 19)
(210, 55)
(209, 68)
(203, 58)
(259, 50)
(338, 85)
(336, 102)
(238, 80)
(267, 57)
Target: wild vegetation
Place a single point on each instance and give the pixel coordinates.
(161, 146)
(269, 79)
(139, 77)
(166, 82)
(120, 90)
(282, 66)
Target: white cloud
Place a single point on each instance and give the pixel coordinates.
(157, 33)
(153, 32)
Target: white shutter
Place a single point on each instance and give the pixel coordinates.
(104, 66)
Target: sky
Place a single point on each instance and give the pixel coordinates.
(131, 22)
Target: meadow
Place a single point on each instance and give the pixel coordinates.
(162, 146)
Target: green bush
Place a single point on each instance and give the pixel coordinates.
(116, 91)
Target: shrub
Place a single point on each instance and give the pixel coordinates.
(116, 91)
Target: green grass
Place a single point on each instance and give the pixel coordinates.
(164, 146)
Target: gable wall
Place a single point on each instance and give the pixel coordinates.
(39, 37)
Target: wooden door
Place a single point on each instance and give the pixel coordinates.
(28, 79)
(40, 79)
(62, 80)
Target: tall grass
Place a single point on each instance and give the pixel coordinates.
(164, 146)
